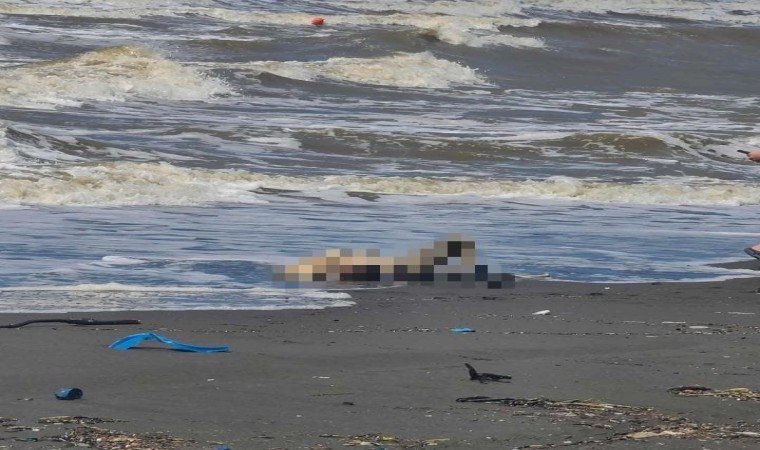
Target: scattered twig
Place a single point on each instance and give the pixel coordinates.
(102, 439)
(624, 421)
(81, 420)
(74, 322)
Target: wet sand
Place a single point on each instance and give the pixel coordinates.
(388, 371)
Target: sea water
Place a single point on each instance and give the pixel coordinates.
(164, 154)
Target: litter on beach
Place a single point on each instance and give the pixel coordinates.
(73, 322)
(485, 377)
(462, 330)
(68, 394)
(133, 340)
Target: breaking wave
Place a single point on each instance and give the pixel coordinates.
(478, 23)
(109, 74)
(475, 27)
(127, 183)
(728, 12)
(456, 30)
(416, 70)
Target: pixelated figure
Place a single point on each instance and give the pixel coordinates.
(449, 262)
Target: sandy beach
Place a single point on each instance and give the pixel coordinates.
(177, 164)
(388, 371)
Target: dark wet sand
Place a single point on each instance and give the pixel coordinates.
(390, 366)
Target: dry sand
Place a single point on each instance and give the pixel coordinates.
(387, 372)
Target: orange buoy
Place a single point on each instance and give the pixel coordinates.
(318, 21)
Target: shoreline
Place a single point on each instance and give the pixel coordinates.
(390, 369)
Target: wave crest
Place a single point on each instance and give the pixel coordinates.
(127, 183)
(109, 74)
(415, 70)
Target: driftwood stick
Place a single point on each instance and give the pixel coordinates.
(74, 322)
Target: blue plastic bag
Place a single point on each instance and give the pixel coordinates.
(133, 340)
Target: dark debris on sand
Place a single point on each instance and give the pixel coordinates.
(379, 440)
(102, 439)
(81, 420)
(737, 393)
(622, 421)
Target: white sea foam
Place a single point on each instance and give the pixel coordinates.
(164, 184)
(110, 74)
(419, 70)
(119, 9)
(121, 287)
(122, 261)
(122, 184)
(475, 24)
(470, 29)
(458, 30)
(46, 10)
(721, 12)
(472, 23)
(14, 153)
(126, 297)
(275, 141)
(471, 8)
(7, 155)
(731, 147)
